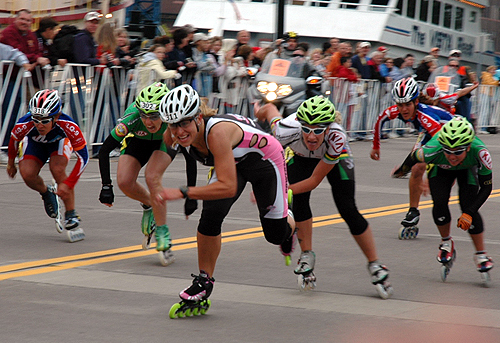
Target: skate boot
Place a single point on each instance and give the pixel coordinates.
(148, 226)
(305, 266)
(380, 276)
(484, 263)
(163, 245)
(446, 256)
(194, 299)
(409, 230)
(72, 224)
(50, 202)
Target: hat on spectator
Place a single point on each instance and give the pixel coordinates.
(428, 58)
(435, 49)
(189, 28)
(92, 16)
(455, 51)
(382, 49)
(199, 36)
(364, 44)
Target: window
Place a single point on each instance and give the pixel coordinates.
(379, 3)
(349, 4)
(473, 16)
(410, 10)
(447, 15)
(424, 9)
(399, 7)
(459, 17)
(436, 11)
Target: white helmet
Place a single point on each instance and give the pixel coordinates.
(405, 90)
(180, 103)
(45, 103)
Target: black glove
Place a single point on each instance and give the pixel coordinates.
(107, 196)
(190, 205)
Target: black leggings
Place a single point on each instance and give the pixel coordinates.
(262, 174)
(300, 168)
(440, 186)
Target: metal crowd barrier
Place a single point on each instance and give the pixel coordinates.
(97, 96)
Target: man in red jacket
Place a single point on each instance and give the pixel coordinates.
(18, 35)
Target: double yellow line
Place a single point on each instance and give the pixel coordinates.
(73, 261)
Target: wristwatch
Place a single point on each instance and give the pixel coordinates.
(184, 190)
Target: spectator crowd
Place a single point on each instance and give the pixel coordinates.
(210, 64)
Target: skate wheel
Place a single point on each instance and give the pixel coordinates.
(301, 282)
(166, 257)
(408, 232)
(189, 312)
(196, 311)
(384, 290)
(485, 279)
(146, 242)
(173, 311)
(206, 306)
(445, 270)
(75, 235)
(59, 225)
(288, 260)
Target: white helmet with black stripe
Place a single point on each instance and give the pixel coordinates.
(181, 103)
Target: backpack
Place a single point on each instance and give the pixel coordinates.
(63, 42)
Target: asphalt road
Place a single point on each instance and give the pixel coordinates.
(107, 289)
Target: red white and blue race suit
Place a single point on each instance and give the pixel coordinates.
(64, 138)
(428, 120)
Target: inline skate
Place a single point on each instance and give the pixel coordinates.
(484, 264)
(288, 246)
(148, 226)
(409, 230)
(72, 225)
(163, 245)
(194, 299)
(304, 270)
(446, 256)
(380, 276)
(59, 217)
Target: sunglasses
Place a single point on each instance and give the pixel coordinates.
(41, 121)
(454, 65)
(152, 116)
(455, 55)
(317, 131)
(183, 124)
(454, 152)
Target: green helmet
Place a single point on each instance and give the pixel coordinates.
(457, 132)
(148, 100)
(316, 111)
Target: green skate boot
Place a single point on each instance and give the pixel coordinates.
(148, 226)
(164, 244)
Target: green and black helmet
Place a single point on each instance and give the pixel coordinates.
(149, 99)
(316, 111)
(456, 133)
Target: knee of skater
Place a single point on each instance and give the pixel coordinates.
(125, 185)
(274, 238)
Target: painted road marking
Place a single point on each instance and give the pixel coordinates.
(73, 261)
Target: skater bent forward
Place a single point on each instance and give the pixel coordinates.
(456, 153)
(240, 152)
(45, 132)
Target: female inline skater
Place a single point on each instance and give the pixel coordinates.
(320, 149)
